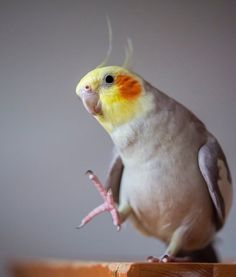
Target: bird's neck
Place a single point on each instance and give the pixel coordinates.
(123, 112)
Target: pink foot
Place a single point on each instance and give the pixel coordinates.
(167, 259)
(108, 205)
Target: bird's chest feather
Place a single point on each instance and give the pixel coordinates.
(161, 175)
(163, 195)
(162, 183)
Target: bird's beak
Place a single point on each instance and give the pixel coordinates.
(91, 101)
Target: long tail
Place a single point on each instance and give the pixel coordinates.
(205, 255)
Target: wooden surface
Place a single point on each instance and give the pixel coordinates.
(103, 269)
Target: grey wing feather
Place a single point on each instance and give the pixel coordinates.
(114, 176)
(209, 156)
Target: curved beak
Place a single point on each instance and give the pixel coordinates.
(91, 101)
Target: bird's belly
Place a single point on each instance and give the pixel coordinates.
(163, 199)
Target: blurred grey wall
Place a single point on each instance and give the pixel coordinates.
(48, 140)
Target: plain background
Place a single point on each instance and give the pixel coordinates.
(48, 140)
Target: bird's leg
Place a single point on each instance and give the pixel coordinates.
(173, 248)
(109, 204)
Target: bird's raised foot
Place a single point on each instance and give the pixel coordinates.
(108, 205)
(167, 259)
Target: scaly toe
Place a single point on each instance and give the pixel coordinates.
(152, 259)
(163, 259)
(108, 205)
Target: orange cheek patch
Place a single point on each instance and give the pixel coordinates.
(128, 86)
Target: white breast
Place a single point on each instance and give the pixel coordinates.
(161, 179)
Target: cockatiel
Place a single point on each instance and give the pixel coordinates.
(169, 174)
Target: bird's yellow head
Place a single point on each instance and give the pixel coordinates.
(113, 95)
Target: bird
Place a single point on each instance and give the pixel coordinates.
(169, 174)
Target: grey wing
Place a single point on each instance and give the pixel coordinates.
(114, 176)
(215, 170)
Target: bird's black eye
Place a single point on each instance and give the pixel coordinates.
(109, 79)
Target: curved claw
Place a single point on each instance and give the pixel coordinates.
(89, 172)
(166, 259)
(152, 259)
(163, 259)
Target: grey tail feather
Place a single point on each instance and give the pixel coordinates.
(205, 255)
